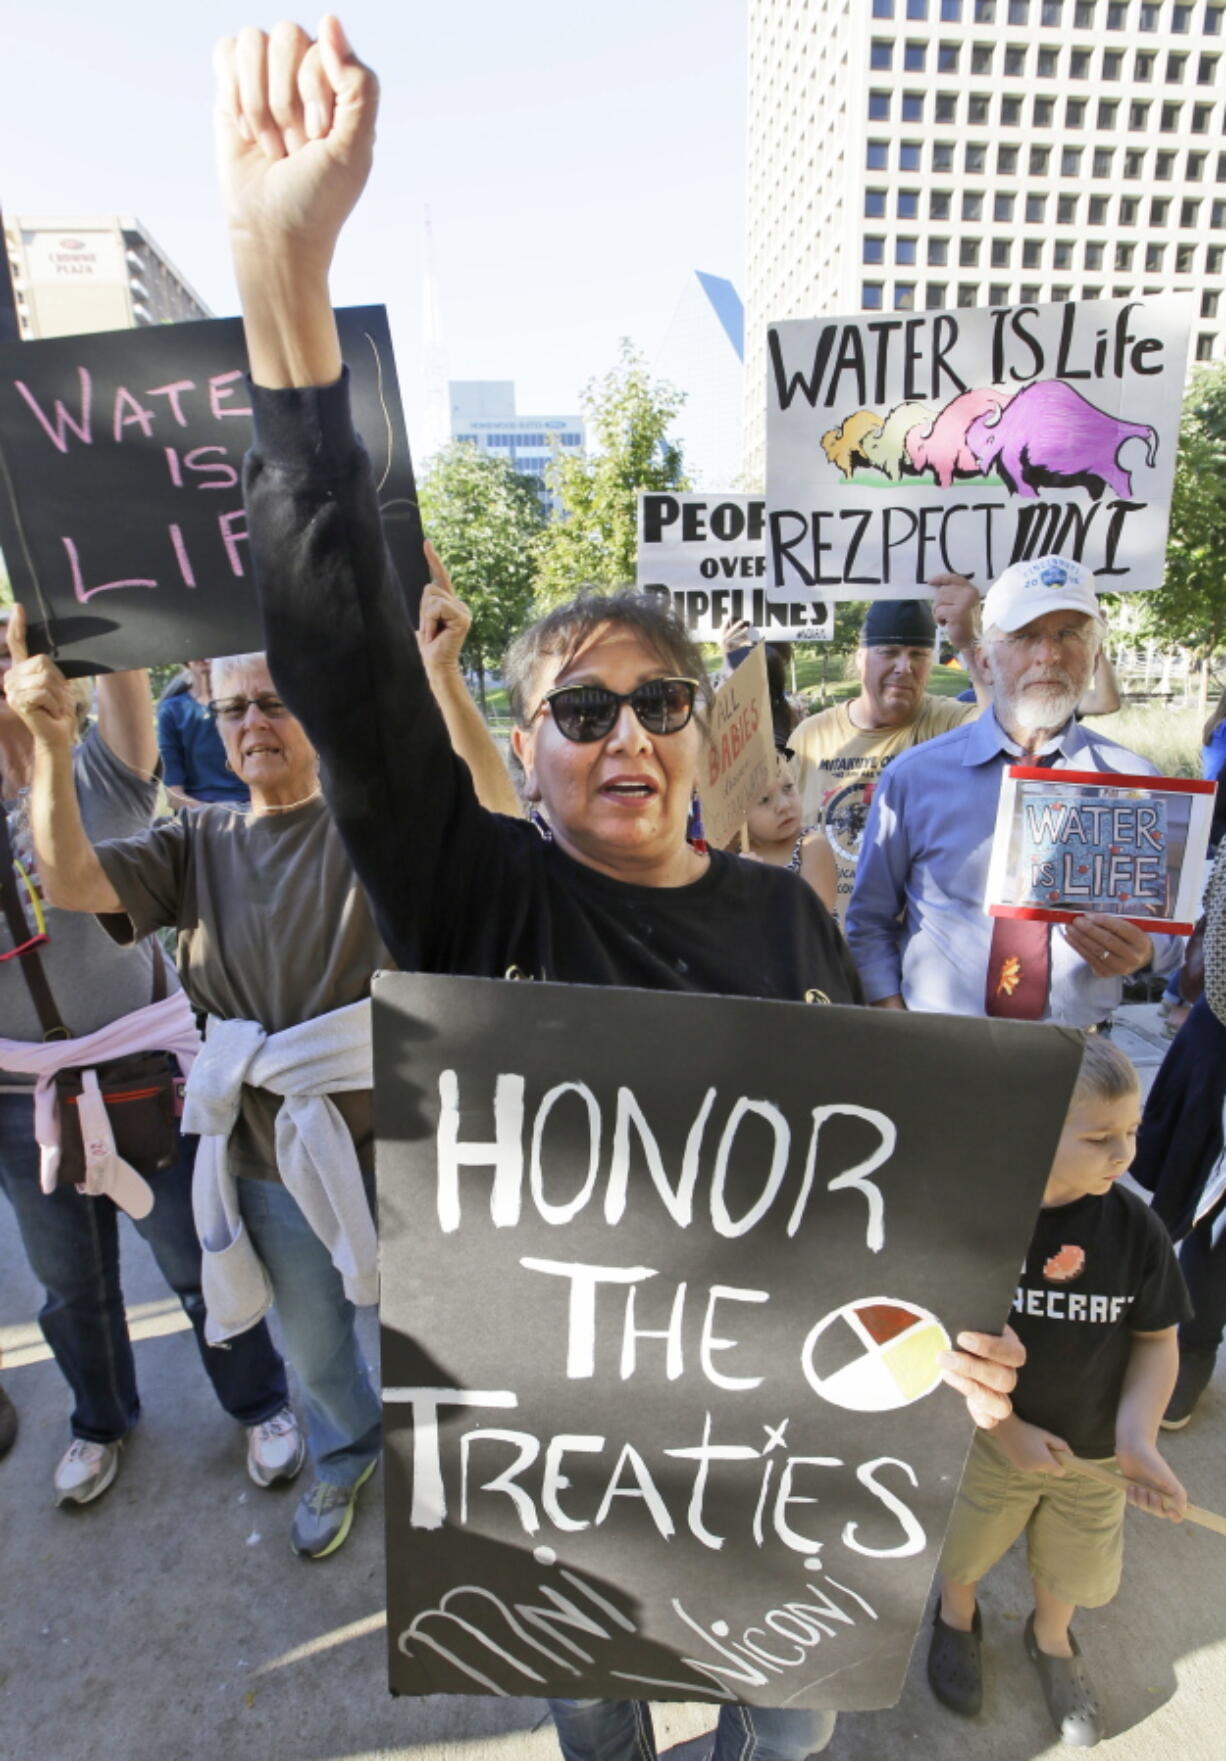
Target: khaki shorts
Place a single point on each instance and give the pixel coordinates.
(1074, 1527)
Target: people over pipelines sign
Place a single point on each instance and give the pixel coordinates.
(121, 503)
(705, 555)
(665, 1280)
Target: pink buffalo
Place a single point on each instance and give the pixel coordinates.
(941, 446)
(1048, 434)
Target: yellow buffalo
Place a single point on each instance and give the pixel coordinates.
(842, 445)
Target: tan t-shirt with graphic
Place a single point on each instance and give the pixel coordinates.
(838, 765)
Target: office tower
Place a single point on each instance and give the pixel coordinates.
(702, 354)
(483, 415)
(912, 154)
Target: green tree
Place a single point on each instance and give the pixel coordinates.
(593, 540)
(485, 521)
(1189, 609)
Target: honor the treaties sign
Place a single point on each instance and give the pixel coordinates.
(665, 1280)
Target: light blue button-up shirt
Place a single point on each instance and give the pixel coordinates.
(916, 922)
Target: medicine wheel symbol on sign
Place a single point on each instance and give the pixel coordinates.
(874, 1354)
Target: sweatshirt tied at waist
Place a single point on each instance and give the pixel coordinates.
(165, 1026)
(316, 1157)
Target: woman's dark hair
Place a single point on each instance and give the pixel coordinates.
(561, 633)
(783, 717)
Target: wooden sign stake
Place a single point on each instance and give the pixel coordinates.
(1208, 1519)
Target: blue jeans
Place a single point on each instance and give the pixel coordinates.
(620, 1730)
(72, 1244)
(341, 1410)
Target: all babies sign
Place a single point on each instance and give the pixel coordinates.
(904, 446)
(665, 1282)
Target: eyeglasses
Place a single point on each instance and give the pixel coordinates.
(233, 709)
(584, 713)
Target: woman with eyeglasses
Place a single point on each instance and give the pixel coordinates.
(72, 1240)
(607, 692)
(276, 947)
(194, 766)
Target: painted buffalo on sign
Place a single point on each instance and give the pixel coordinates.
(842, 445)
(940, 445)
(886, 447)
(1049, 435)
(958, 442)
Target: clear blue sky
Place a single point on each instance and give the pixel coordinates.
(578, 160)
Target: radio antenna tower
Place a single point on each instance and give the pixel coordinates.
(437, 424)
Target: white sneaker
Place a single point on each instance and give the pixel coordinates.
(85, 1471)
(276, 1449)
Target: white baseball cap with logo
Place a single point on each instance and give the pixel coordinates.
(1028, 590)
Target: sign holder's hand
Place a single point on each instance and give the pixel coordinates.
(984, 1369)
(1031, 1448)
(1168, 1500)
(1113, 946)
(37, 690)
(954, 605)
(443, 620)
(737, 633)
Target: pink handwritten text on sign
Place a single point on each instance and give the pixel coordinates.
(201, 467)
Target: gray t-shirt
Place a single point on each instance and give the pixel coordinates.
(273, 927)
(93, 980)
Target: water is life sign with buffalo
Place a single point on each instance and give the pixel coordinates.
(902, 446)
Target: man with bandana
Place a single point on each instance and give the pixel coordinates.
(916, 923)
(841, 752)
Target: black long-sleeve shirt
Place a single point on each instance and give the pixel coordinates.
(454, 887)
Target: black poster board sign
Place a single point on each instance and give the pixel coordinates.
(664, 1280)
(10, 329)
(121, 507)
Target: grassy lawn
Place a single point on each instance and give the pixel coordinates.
(944, 681)
(1169, 738)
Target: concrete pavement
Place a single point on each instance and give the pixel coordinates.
(169, 1622)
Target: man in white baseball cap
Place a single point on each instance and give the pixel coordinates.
(1027, 590)
(916, 923)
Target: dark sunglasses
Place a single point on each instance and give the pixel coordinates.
(233, 709)
(588, 712)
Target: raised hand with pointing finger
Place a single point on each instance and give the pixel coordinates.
(443, 621)
(37, 690)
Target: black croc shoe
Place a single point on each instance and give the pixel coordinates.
(955, 1669)
(1071, 1700)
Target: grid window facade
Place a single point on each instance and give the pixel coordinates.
(1065, 141)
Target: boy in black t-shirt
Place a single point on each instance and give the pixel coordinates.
(1097, 1308)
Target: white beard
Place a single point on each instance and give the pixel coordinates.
(1049, 706)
